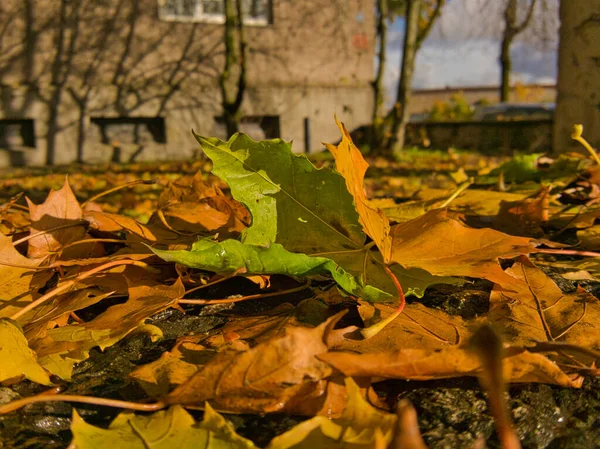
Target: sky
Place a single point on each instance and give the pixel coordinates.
(464, 45)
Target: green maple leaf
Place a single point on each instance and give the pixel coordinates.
(231, 255)
(293, 203)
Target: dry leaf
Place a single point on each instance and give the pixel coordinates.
(351, 164)
(61, 208)
(264, 378)
(443, 246)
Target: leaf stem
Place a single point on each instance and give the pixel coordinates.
(44, 397)
(373, 330)
(464, 186)
(114, 189)
(243, 298)
(568, 252)
(67, 285)
(46, 231)
(218, 281)
(577, 136)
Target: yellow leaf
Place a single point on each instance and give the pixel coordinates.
(17, 360)
(172, 428)
(358, 427)
(350, 163)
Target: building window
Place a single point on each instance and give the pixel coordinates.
(17, 136)
(257, 127)
(130, 135)
(256, 12)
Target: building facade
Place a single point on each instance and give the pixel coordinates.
(128, 80)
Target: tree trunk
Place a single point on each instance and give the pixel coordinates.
(578, 99)
(232, 92)
(511, 29)
(398, 114)
(377, 120)
(505, 68)
(82, 122)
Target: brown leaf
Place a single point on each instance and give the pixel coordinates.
(427, 344)
(19, 279)
(264, 378)
(199, 207)
(524, 217)
(538, 311)
(351, 164)
(60, 348)
(191, 352)
(46, 316)
(61, 208)
(417, 327)
(105, 222)
(443, 246)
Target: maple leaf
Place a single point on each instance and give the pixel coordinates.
(19, 279)
(351, 164)
(546, 330)
(172, 428)
(443, 246)
(231, 255)
(59, 349)
(17, 360)
(105, 222)
(292, 203)
(357, 427)
(304, 209)
(524, 217)
(538, 311)
(277, 375)
(61, 209)
(198, 207)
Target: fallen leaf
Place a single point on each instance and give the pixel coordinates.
(17, 360)
(40, 318)
(526, 216)
(292, 203)
(264, 378)
(172, 428)
(351, 164)
(112, 223)
(357, 427)
(443, 246)
(197, 206)
(19, 279)
(231, 255)
(60, 209)
(540, 312)
(62, 347)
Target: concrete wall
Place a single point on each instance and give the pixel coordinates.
(578, 74)
(314, 59)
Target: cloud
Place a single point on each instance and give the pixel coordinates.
(464, 46)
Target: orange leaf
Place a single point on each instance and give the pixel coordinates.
(443, 246)
(351, 164)
(61, 208)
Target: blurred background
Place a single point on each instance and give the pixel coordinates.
(127, 80)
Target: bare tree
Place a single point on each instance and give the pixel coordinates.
(377, 121)
(512, 28)
(420, 16)
(232, 89)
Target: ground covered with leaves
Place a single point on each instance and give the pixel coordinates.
(276, 304)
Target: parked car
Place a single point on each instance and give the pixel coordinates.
(515, 111)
